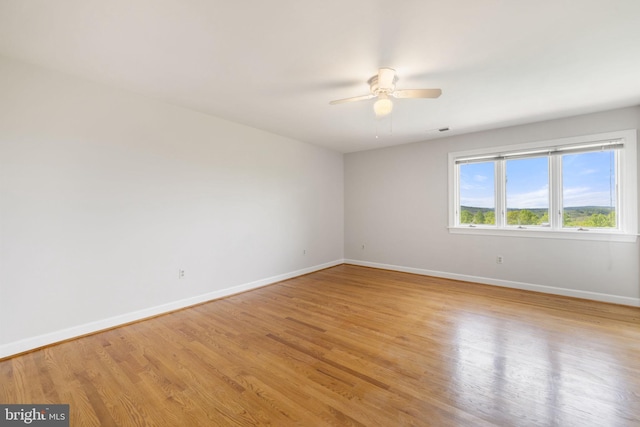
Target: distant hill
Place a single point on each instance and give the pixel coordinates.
(589, 210)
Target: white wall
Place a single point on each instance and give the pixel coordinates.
(105, 195)
(396, 205)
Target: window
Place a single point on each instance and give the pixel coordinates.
(477, 193)
(583, 187)
(589, 182)
(527, 191)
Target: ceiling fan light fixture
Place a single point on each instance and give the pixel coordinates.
(383, 105)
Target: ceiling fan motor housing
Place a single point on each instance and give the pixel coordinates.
(377, 89)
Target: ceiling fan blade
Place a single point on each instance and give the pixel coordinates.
(353, 99)
(386, 78)
(417, 93)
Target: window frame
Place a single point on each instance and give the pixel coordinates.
(626, 191)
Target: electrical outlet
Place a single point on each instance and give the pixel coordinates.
(180, 274)
(499, 259)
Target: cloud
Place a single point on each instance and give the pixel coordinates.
(538, 199)
(530, 200)
(476, 182)
(588, 171)
(585, 196)
(478, 202)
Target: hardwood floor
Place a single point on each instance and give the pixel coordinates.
(351, 346)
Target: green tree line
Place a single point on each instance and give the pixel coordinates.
(581, 217)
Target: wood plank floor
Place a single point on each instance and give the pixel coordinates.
(351, 346)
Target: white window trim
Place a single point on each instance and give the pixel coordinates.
(628, 191)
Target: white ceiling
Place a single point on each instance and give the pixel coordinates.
(276, 64)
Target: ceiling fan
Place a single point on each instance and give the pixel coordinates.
(383, 87)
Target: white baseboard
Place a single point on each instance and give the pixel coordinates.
(615, 299)
(32, 343)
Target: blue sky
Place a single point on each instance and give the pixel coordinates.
(477, 185)
(585, 182)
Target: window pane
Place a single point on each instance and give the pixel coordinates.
(477, 193)
(588, 189)
(527, 191)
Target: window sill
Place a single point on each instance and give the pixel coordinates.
(547, 234)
